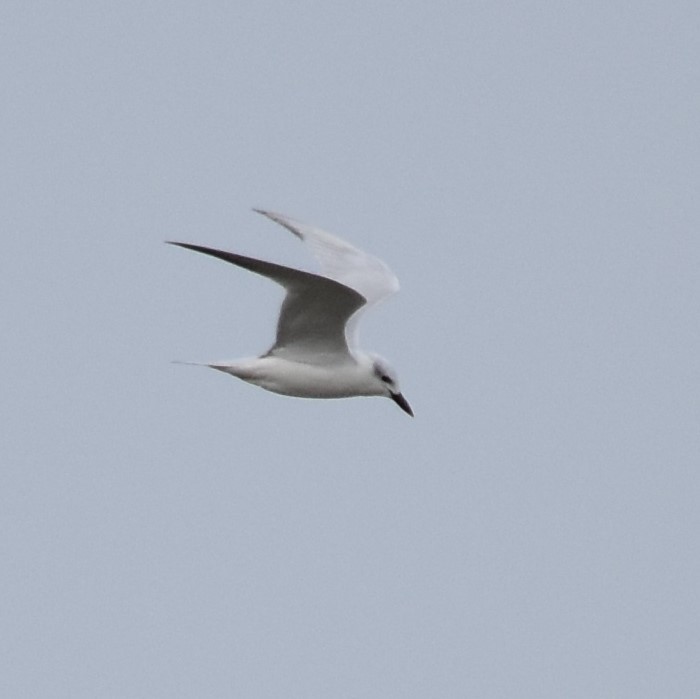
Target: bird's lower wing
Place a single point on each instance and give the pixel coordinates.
(314, 312)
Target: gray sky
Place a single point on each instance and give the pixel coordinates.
(531, 173)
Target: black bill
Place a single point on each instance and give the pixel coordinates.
(402, 403)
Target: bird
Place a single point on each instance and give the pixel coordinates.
(316, 352)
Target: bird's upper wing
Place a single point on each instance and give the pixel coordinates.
(314, 313)
(344, 263)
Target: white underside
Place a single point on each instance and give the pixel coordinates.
(291, 378)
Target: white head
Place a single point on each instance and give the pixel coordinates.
(387, 383)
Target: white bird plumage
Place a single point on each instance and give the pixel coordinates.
(316, 353)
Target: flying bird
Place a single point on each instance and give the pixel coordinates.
(316, 354)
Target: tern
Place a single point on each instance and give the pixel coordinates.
(316, 353)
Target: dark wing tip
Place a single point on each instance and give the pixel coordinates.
(189, 246)
(283, 221)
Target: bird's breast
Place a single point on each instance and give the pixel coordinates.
(310, 381)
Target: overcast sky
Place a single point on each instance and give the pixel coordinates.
(530, 171)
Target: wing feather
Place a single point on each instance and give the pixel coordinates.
(342, 262)
(314, 312)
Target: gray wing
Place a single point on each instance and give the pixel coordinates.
(311, 324)
(344, 263)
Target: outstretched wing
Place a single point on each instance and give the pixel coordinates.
(342, 262)
(311, 325)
